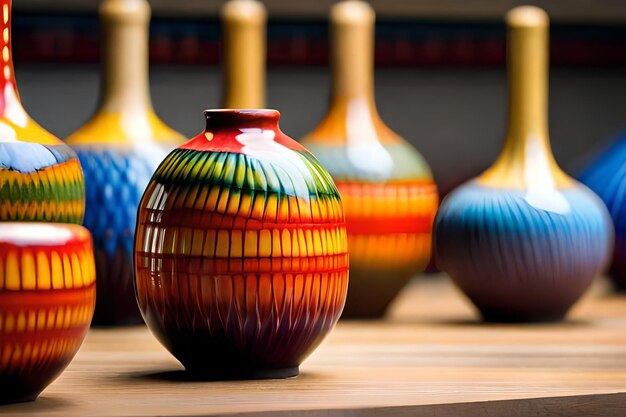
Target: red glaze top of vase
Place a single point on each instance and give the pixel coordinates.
(8, 89)
(225, 130)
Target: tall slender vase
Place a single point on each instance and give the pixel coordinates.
(40, 177)
(243, 50)
(606, 176)
(387, 188)
(119, 148)
(524, 240)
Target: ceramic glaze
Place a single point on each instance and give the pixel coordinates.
(387, 187)
(40, 177)
(241, 252)
(119, 149)
(606, 176)
(47, 297)
(524, 240)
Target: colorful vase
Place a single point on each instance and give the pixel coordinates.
(524, 240)
(40, 177)
(243, 54)
(241, 260)
(119, 149)
(606, 175)
(47, 297)
(386, 186)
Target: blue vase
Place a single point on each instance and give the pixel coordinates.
(606, 176)
(523, 240)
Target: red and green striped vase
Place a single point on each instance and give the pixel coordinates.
(241, 260)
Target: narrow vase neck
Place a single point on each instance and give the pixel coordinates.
(8, 93)
(125, 56)
(238, 120)
(243, 29)
(352, 52)
(527, 62)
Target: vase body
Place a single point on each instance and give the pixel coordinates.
(47, 297)
(119, 149)
(40, 177)
(523, 240)
(607, 178)
(241, 260)
(387, 188)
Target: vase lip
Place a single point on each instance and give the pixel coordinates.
(241, 118)
(244, 113)
(41, 234)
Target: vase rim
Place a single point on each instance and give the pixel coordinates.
(40, 233)
(232, 118)
(244, 112)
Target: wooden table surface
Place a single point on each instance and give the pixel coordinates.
(431, 357)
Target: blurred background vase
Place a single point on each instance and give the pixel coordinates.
(524, 240)
(386, 186)
(241, 250)
(47, 297)
(606, 175)
(40, 177)
(243, 54)
(119, 149)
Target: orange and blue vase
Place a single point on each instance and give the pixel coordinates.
(606, 176)
(387, 187)
(47, 298)
(241, 260)
(524, 241)
(40, 177)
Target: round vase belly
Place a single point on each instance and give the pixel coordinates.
(519, 261)
(241, 255)
(606, 176)
(47, 298)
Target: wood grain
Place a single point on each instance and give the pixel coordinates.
(431, 357)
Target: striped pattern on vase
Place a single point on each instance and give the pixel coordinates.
(47, 299)
(241, 254)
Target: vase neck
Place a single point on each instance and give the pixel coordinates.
(236, 120)
(352, 53)
(526, 159)
(527, 63)
(125, 56)
(243, 54)
(8, 87)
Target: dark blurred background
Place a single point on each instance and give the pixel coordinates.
(440, 77)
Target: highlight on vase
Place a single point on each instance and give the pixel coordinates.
(523, 240)
(40, 177)
(47, 298)
(119, 149)
(241, 253)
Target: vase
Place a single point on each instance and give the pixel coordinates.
(241, 261)
(119, 149)
(523, 240)
(40, 177)
(243, 54)
(606, 176)
(386, 186)
(47, 296)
